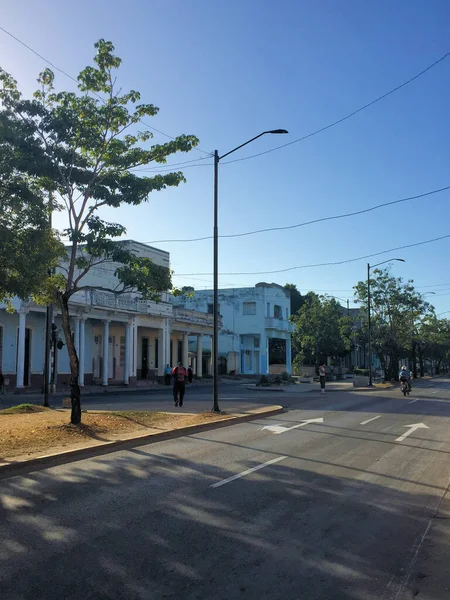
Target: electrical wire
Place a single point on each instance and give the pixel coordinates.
(180, 164)
(14, 37)
(341, 120)
(327, 264)
(320, 220)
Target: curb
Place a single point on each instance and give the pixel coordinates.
(53, 460)
(264, 389)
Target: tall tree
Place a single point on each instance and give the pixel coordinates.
(395, 308)
(320, 330)
(296, 297)
(28, 245)
(89, 144)
(433, 342)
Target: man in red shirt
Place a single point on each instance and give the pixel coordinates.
(179, 375)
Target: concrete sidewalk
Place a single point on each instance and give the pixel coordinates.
(27, 395)
(301, 388)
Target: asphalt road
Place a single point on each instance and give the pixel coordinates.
(354, 507)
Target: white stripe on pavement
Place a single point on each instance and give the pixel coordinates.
(247, 472)
(368, 420)
(412, 401)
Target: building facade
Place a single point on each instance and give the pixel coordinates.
(255, 336)
(118, 338)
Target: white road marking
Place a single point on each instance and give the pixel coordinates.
(412, 429)
(372, 419)
(247, 472)
(277, 429)
(435, 392)
(412, 401)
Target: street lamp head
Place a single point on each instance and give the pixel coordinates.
(278, 131)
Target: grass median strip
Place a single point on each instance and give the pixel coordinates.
(30, 431)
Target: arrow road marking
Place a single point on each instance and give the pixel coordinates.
(277, 429)
(412, 429)
(372, 419)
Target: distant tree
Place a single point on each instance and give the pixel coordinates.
(89, 145)
(296, 297)
(433, 342)
(396, 307)
(320, 330)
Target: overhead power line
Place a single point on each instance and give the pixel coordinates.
(320, 220)
(328, 264)
(349, 116)
(14, 37)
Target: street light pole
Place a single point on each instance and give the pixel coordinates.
(215, 348)
(369, 325)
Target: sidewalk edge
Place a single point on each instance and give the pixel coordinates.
(15, 469)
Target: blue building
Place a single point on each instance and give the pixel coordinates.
(255, 337)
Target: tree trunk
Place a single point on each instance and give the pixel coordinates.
(438, 366)
(414, 359)
(75, 394)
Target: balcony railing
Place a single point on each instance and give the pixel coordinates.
(193, 316)
(280, 324)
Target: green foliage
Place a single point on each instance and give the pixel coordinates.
(297, 299)
(320, 330)
(28, 245)
(433, 341)
(396, 309)
(361, 372)
(88, 147)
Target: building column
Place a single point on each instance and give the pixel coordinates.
(211, 363)
(185, 353)
(21, 349)
(288, 356)
(162, 339)
(133, 348)
(173, 354)
(76, 335)
(81, 351)
(105, 352)
(126, 370)
(167, 357)
(199, 370)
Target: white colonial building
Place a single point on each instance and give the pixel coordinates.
(118, 338)
(255, 327)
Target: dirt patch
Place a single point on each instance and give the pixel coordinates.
(26, 433)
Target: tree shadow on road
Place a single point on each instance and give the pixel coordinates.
(142, 524)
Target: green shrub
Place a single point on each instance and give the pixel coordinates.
(361, 372)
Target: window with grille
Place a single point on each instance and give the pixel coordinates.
(249, 308)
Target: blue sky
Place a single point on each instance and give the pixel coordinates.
(227, 71)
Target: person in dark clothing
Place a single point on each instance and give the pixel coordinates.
(179, 375)
(189, 374)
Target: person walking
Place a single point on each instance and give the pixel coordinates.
(189, 374)
(167, 374)
(322, 377)
(179, 375)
